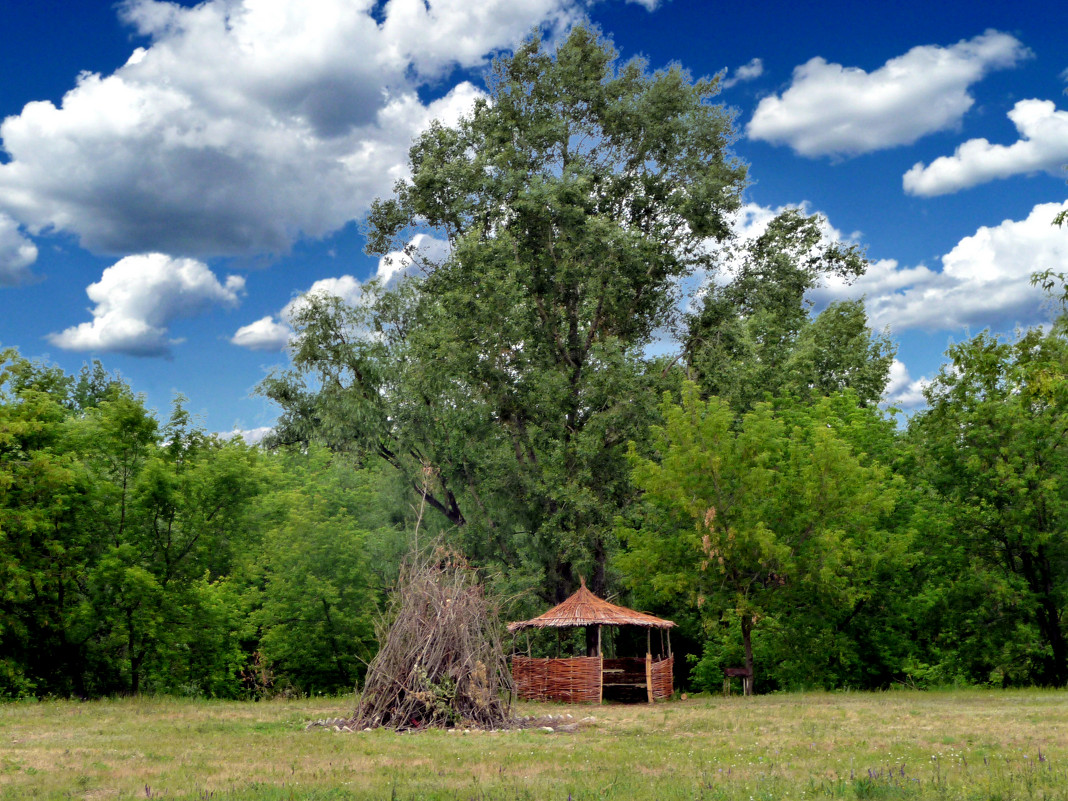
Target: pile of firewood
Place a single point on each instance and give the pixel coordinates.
(441, 662)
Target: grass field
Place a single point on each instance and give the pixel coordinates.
(902, 744)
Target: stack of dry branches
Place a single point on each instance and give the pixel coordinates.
(441, 662)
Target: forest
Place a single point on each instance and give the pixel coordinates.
(538, 399)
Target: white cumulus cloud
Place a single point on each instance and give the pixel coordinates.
(984, 280)
(424, 251)
(273, 333)
(251, 436)
(832, 109)
(244, 125)
(747, 72)
(139, 296)
(902, 390)
(1043, 145)
(264, 334)
(17, 253)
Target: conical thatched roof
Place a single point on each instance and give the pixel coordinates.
(586, 609)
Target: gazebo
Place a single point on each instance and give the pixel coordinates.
(584, 679)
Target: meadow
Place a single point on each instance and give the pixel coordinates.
(895, 745)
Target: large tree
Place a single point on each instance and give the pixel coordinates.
(778, 522)
(992, 446)
(505, 380)
(42, 542)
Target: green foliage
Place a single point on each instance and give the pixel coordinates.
(754, 337)
(505, 381)
(775, 529)
(990, 449)
(313, 597)
(41, 542)
(137, 557)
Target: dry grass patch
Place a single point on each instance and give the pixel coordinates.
(908, 745)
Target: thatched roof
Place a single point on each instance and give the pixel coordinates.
(586, 609)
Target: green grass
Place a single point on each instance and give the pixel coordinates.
(897, 745)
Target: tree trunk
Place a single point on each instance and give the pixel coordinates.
(593, 640)
(135, 658)
(747, 643)
(598, 585)
(1038, 572)
(1051, 623)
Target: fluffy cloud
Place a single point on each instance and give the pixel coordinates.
(251, 436)
(1043, 145)
(984, 281)
(264, 334)
(245, 125)
(139, 296)
(17, 253)
(903, 391)
(422, 252)
(747, 72)
(831, 109)
(272, 333)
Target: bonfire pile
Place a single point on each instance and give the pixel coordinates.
(441, 662)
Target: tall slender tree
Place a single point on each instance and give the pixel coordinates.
(510, 372)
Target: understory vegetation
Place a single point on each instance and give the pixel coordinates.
(510, 399)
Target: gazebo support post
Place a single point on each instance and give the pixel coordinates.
(600, 669)
(649, 663)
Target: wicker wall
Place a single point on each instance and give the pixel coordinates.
(663, 684)
(576, 680)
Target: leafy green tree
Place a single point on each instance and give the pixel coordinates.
(42, 545)
(505, 381)
(314, 597)
(754, 336)
(990, 446)
(778, 524)
(170, 511)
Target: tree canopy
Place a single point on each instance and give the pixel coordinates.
(510, 396)
(512, 370)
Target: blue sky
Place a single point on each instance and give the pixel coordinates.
(173, 176)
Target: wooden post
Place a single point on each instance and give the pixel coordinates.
(649, 663)
(669, 642)
(600, 669)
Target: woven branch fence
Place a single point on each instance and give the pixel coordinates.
(576, 680)
(580, 679)
(663, 678)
